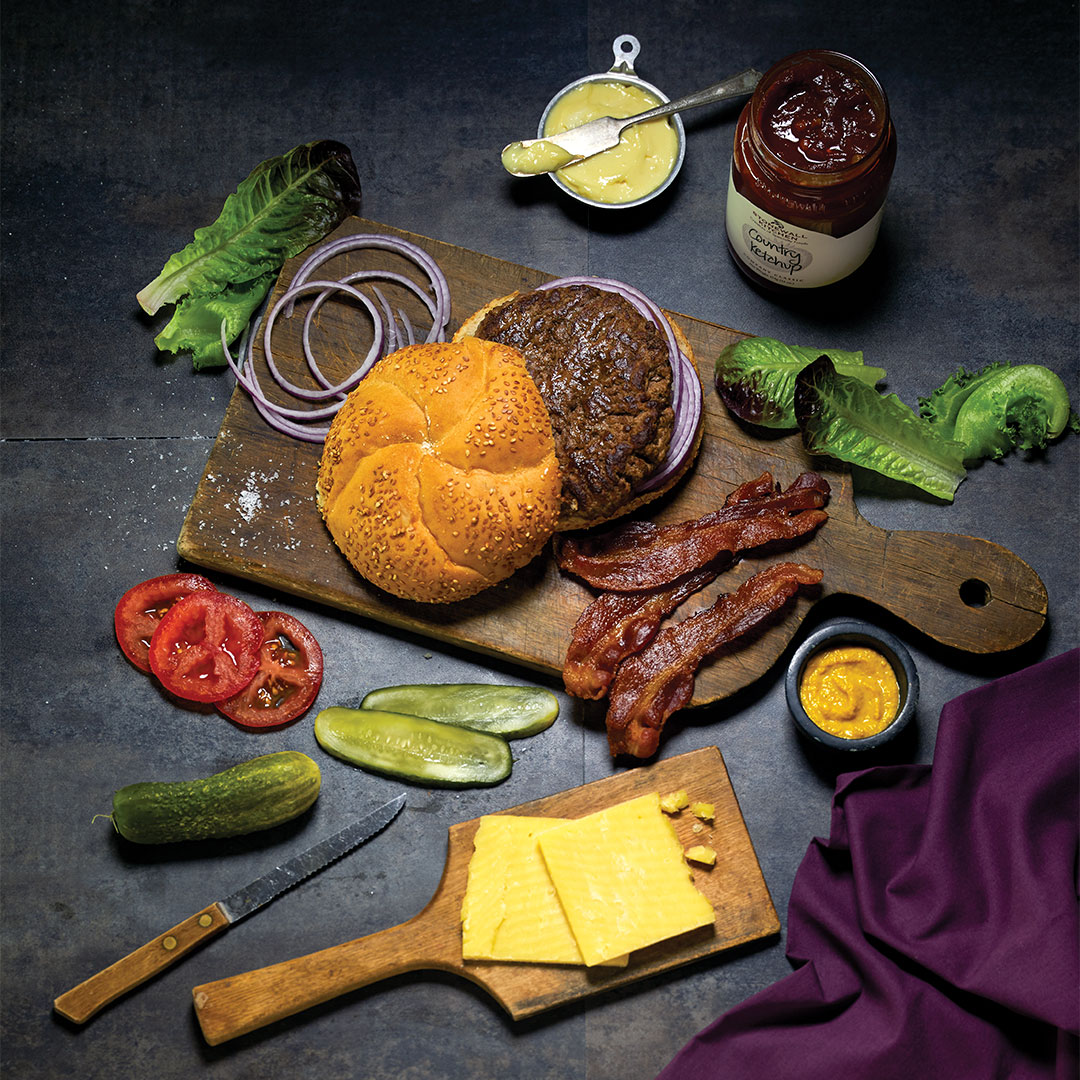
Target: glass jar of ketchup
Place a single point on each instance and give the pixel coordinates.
(814, 153)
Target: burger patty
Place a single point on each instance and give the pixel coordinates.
(604, 373)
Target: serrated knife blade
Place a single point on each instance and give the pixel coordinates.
(89, 997)
(263, 889)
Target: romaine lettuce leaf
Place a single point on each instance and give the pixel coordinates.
(755, 377)
(283, 206)
(1000, 408)
(196, 324)
(844, 418)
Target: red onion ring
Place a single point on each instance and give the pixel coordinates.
(394, 340)
(268, 412)
(249, 380)
(342, 388)
(388, 335)
(686, 396)
(687, 418)
(385, 243)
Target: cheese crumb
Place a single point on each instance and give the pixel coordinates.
(674, 801)
(703, 810)
(701, 854)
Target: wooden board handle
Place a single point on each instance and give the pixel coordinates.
(91, 996)
(965, 592)
(242, 1003)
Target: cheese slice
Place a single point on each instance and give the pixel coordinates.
(510, 910)
(622, 880)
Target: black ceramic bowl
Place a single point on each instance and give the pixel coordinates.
(853, 632)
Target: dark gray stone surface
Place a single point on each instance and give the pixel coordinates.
(124, 125)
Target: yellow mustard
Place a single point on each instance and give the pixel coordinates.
(850, 691)
(539, 156)
(641, 161)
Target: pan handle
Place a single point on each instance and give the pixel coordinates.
(965, 592)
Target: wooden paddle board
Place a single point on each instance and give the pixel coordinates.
(432, 939)
(254, 515)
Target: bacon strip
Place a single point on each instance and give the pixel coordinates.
(643, 555)
(757, 489)
(659, 680)
(617, 625)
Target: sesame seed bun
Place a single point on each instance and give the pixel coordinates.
(438, 476)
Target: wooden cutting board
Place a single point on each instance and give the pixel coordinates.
(254, 516)
(432, 939)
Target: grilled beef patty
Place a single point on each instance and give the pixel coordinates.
(604, 373)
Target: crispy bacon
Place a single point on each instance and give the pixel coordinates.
(643, 555)
(617, 625)
(659, 680)
(760, 488)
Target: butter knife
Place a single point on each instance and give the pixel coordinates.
(89, 997)
(585, 140)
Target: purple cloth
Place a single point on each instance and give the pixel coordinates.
(935, 933)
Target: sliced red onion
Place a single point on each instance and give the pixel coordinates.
(378, 241)
(267, 410)
(686, 396)
(387, 333)
(342, 388)
(687, 411)
(249, 380)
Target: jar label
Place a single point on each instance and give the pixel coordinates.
(789, 255)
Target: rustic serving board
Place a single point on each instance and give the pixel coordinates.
(431, 940)
(254, 516)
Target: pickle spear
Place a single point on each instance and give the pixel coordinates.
(514, 712)
(413, 747)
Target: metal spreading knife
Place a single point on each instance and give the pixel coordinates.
(595, 136)
(89, 997)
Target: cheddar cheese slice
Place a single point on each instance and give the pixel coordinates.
(510, 910)
(622, 880)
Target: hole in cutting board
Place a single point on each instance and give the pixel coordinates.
(975, 593)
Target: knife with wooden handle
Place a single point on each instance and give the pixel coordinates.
(89, 997)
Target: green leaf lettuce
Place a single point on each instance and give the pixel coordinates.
(1000, 408)
(755, 377)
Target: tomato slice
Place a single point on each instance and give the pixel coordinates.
(206, 648)
(144, 605)
(289, 676)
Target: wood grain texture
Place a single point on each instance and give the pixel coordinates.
(254, 516)
(82, 1002)
(432, 939)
